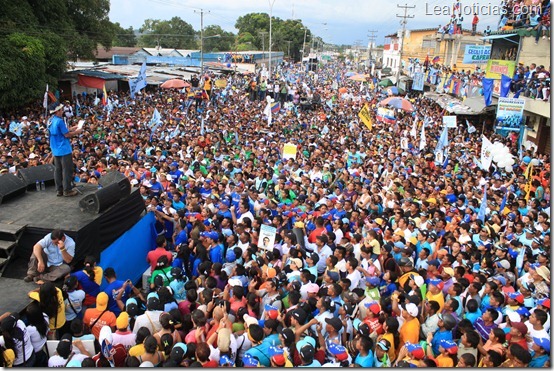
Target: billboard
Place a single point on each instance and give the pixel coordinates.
(496, 68)
(477, 54)
(509, 113)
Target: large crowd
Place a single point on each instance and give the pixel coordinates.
(382, 256)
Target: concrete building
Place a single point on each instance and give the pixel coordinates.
(517, 47)
(424, 42)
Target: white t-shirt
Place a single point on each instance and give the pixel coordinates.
(149, 318)
(57, 361)
(28, 345)
(127, 339)
(36, 339)
(355, 279)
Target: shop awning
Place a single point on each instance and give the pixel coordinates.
(500, 36)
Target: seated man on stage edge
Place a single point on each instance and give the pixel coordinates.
(51, 257)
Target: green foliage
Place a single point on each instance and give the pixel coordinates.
(174, 33)
(218, 44)
(123, 36)
(255, 26)
(37, 37)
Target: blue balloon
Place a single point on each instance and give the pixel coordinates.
(228, 64)
(527, 159)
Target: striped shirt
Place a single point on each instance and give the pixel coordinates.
(483, 329)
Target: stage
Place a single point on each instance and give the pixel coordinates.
(41, 212)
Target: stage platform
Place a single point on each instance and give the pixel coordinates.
(41, 212)
(42, 209)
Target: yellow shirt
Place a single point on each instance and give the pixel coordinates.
(444, 361)
(392, 351)
(9, 357)
(58, 321)
(409, 332)
(439, 298)
(137, 350)
(98, 273)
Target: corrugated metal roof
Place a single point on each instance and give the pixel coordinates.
(100, 74)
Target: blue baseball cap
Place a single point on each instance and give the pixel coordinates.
(336, 349)
(522, 311)
(275, 351)
(230, 256)
(435, 282)
(373, 280)
(544, 343)
(212, 235)
(225, 202)
(250, 361)
(224, 360)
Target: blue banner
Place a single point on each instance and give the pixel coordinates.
(505, 83)
(418, 81)
(477, 54)
(127, 255)
(487, 90)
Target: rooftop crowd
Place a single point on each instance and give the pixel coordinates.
(380, 257)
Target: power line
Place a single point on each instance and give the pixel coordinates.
(403, 22)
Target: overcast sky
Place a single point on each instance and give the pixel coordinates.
(347, 22)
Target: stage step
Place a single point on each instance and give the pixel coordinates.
(11, 232)
(7, 245)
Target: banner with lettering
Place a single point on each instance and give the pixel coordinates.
(477, 54)
(496, 68)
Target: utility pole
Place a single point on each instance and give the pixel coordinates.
(288, 47)
(271, 2)
(263, 33)
(202, 38)
(403, 23)
(304, 45)
(372, 38)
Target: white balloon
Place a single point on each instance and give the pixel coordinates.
(535, 162)
(509, 168)
(502, 164)
(497, 157)
(511, 161)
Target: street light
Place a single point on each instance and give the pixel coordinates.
(202, 48)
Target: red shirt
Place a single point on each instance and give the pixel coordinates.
(316, 232)
(154, 255)
(118, 357)
(210, 364)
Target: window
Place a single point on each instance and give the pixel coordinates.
(429, 44)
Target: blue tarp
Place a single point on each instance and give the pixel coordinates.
(127, 255)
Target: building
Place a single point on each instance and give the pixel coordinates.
(391, 52)
(517, 47)
(424, 42)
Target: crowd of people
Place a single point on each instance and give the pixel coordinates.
(382, 257)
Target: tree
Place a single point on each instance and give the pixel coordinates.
(253, 26)
(218, 44)
(174, 33)
(38, 37)
(124, 36)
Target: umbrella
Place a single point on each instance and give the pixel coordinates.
(385, 82)
(393, 90)
(174, 83)
(397, 102)
(359, 77)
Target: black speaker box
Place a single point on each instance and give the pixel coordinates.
(106, 197)
(42, 173)
(11, 186)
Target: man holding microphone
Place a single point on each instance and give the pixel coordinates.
(61, 150)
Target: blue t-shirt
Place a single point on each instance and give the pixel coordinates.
(437, 337)
(216, 254)
(89, 286)
(112, 289)
(59, 144)
(366, 361)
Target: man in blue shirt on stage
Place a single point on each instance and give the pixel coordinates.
(61, 150)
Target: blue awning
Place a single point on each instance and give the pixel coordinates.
(499, 36)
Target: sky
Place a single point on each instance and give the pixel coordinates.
(336, 21)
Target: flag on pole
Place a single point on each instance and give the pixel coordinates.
(503, 203)
(486, 155)
(45, 101)
(483, 207)
(422, 140)
(470, 128)
(104, 96)
(202, 126)
(413, 132)
(175, 132)
(155, 120)
(443, 141)
(135, 85)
